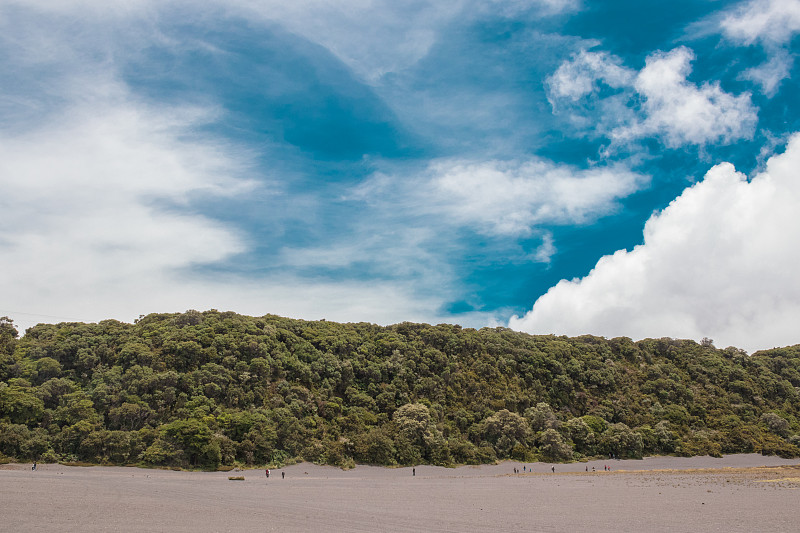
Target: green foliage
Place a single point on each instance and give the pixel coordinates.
(621, 441)
(375, 446)
(542, 417)
(505, 431)
(192, 442)
(8, 340)
(204, 389)
(553, 446)
(20, 405)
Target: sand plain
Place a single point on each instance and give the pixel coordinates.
(734, 493)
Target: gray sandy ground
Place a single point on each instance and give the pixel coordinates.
(734, 493)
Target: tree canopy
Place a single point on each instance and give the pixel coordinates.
(205, 389)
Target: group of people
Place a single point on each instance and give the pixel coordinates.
(526, 469)
(283, 474)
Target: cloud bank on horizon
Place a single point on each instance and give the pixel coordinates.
(557, 166)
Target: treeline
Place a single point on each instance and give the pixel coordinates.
(205, 389)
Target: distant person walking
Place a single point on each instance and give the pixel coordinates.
(267, 473)
(554, 469)
(283, 475)
(413, 472)
(34, 466)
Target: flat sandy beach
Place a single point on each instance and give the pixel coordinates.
(734, 493)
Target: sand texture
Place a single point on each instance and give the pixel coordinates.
(734, 493)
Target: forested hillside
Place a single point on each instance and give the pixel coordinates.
(201, 390)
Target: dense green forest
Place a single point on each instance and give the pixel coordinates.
(208, 389)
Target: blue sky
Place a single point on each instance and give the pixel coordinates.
(556, 166)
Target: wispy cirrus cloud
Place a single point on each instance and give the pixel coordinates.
(514, 7)
(770, 74)
(105, 187)
(512, 198)
(101, 221)
(372, 37)
(509, 198)
(97, 197)
(771, 24)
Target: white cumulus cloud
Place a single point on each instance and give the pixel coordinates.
(657, 101)
(719, 261)
(683, 113)
(579, 76)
